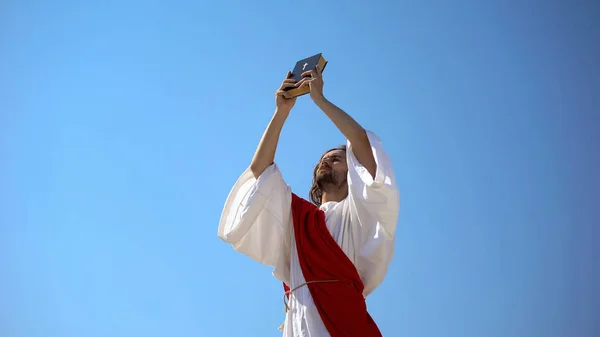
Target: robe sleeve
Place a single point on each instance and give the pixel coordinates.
(378, 198)
(374, 206)
(256, 219)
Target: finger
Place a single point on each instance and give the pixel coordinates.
(310, 73)
(288, 85)
(289, 74)
(315, 72)
(303, 83)
(283, 94)
(318, 70)
(307, 73)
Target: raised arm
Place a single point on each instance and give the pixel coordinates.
(265, 152)
(354, 132)
(256, 216)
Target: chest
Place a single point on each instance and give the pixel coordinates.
(342, 226)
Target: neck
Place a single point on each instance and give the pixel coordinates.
(334, 193)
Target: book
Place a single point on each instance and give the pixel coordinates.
(304, 65)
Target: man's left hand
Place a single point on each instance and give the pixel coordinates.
(314, 80)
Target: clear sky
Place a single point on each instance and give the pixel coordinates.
(123, 126)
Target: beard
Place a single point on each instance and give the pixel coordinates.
(331, 179)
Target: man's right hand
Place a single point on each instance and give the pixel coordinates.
(283, 101)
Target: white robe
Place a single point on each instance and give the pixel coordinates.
(257, 221)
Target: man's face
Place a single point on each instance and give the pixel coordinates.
(332, 169)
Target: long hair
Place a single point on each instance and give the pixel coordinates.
(315, 192)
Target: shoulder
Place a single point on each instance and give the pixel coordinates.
(302, 203)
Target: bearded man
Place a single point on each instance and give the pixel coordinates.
(330, 252)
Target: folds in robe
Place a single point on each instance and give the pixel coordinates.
(373, 207)
(256, 220)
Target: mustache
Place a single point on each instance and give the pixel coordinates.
(324, 166)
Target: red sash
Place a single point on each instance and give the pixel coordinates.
(341, 305)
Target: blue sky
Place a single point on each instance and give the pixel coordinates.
(124, 125)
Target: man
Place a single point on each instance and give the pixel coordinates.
(332, 253)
